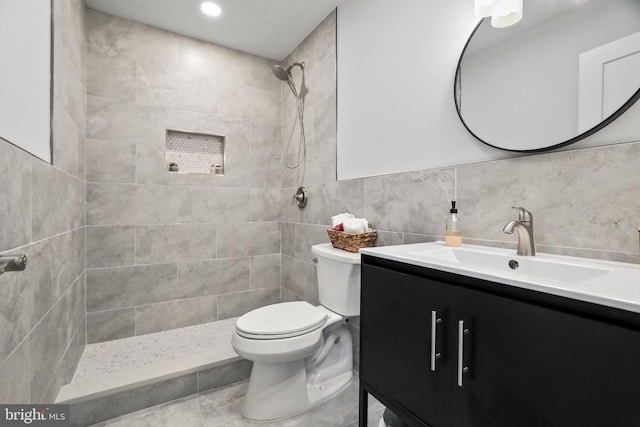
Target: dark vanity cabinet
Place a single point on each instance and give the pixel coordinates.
(445, 350)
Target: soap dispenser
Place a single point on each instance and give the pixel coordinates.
(453, 232)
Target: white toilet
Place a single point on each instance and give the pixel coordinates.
(302, 355)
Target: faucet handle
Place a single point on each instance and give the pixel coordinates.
(523, 214)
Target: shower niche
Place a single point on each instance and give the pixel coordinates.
(195, 152)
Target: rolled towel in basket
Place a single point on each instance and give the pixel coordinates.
(356, 225)
(340, 218)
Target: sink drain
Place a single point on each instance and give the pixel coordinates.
(513, 264)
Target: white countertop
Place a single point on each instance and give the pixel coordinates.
(608, 283)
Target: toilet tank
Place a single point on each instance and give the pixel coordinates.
(338, 279)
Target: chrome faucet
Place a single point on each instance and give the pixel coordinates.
(524, 227)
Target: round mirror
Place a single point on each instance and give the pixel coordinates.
(566, 70)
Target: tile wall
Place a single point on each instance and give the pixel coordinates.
(585, 202)
(166, 250)
(150, 264)
(42, 309)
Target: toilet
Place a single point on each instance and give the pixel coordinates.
(302, 354)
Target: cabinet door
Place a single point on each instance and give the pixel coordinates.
(535, 366)
(396, 341)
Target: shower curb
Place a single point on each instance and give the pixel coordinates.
(105, 404)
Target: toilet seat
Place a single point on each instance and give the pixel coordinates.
(283, 320)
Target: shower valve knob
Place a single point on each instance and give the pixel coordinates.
(301, 197)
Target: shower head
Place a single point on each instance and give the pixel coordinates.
(284, 74)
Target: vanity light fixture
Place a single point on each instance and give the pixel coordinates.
(210, 9)
(503, 13)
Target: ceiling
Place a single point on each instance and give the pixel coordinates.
(268, 28)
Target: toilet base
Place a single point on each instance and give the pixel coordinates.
(281, 390)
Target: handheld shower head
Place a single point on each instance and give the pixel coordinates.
(284, 74)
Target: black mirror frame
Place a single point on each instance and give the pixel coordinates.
(598, 127)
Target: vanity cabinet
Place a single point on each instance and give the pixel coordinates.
(503, 357)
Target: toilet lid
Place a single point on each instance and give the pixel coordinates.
(284, 320)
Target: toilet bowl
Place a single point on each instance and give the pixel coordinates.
(302, 354)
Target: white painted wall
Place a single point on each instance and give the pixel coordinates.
(25, 77)
(396, 66)
(396, 111)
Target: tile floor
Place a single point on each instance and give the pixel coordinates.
(221, 408)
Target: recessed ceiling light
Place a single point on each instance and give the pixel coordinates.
(210, 9)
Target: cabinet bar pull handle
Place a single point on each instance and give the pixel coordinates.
(461, 368)
(434, 322)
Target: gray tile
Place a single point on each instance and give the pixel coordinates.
(213, 205)
(248, 239)
(239, 303)
(300, 278)
(80, 245)
(68, 142)
(175, 242)
(225, 64)
(265, 271)
(421, 238)
(238, 134)
(221, 407)
(104, 408)
(288, 295)
(70, 88)
(151, 165)
(324, 120)
(15, 209)
(265, 138)
(183, 412)
(110, 325)
(121, 287)
(252, 171)
(212, 277)
(54, 188)
(553, 186)
(26, 298)
(389, 238)
(52, 336)
(265, 204)
(175, 314)
(62, 257)
(126, 204)
(65, 370)
(69, 36)
(354, 328)
(290, 212)
(414, 202)
(224, 375)
(111, 76)
(111, 161)
(171, 88)
(289, 239)
(111, 119)
(247, 102)
(307, 236)
(127, 39)
(336, 197)
(321, 69)
(15, 373)
(110, 246)
(322, 162)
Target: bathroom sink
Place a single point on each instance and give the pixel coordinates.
(609, 283)
(539, 267)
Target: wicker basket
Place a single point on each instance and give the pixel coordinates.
(351, 242)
